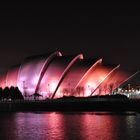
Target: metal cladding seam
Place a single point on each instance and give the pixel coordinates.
(104, 79)
(80, 56)
(29, 72)
(73, 76)
(44, 68)
(130, 77)
(94, 65)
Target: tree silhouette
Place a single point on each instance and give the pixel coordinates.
(12, 93)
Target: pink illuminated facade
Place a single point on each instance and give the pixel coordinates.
(11, 77)
(54, 75)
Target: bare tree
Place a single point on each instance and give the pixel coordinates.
(65, 91)
(100, 91)
(111, 86)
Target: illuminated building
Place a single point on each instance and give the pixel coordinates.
(54, 75)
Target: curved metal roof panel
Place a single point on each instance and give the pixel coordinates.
(74, 75)
(53, 74)
(29, 72)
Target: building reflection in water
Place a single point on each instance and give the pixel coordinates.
(65, 126)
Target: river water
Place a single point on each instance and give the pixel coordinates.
(69, 126)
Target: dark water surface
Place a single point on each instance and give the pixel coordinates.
(69, 126)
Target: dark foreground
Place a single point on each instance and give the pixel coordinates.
(71, 105)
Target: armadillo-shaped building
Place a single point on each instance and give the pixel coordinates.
(54, 75)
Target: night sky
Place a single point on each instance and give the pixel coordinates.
(99, 30)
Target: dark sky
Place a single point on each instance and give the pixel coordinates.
(110, 31)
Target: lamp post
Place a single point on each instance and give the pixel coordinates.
(24, 89)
